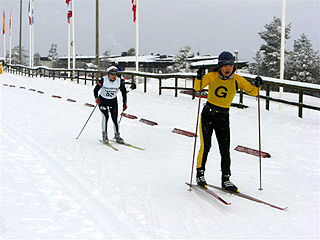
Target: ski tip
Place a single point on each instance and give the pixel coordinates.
(281, 208)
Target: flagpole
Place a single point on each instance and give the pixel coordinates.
(283, 36)
(137, 35)
(30, 33)
(10, 34)
(69, 32)
(32, 28)
(73, 38)
(69, 43)
(20, 34)
(4, 33)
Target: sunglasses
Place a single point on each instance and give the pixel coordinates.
(113, 74)
(226, 62)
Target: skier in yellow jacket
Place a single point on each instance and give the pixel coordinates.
(223, 86)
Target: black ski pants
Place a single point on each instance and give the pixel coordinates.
(216, 119)
(112, 105)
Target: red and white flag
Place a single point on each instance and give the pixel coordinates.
(134, 8)
(69, 14)
(30, 13)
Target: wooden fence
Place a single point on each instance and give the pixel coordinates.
(91, 76)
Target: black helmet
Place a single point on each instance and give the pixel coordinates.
(225, 58)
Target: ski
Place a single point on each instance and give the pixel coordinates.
(109, 145)
(128, 145)
(209, 192)
(247, 197)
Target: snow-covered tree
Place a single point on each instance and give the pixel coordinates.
(270, 64)
(15, 56)
(36, 59)
(106, 53)
(53, 54)
(255, 66)
(303, 61)
(180, 63)
(131, 52)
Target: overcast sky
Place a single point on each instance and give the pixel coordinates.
(208, 26)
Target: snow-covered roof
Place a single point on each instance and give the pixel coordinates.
(145, 58)
(202, 58)
(210, 63)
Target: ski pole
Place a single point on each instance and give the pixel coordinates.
(259, 130)
(120, 117)
(87, 121)
(195, 138)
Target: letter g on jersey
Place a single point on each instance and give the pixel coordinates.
(221, 92)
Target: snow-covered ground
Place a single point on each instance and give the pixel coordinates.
(56, 187)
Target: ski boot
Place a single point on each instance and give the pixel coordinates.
(118, 138)
(200, 178)
(228, 185)
(105, 137)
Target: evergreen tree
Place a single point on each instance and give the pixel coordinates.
(303, 61)
(254, 67)
(131, 52)
(270, 64)
(53, 54)
(180, 63)
(36, 59)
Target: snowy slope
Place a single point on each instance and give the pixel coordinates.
(56, 187)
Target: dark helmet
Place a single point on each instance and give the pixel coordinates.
(225, 58)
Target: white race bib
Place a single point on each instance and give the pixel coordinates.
(110, 89)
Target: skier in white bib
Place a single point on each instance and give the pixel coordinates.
(109, 87)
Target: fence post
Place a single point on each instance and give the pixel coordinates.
(132, 81)
(85, 78)
(159, 86)
(267, 97)
(300, 102)
(93, 77)
(145, 84)
(78, 73)
(176, 87)
(193, 91)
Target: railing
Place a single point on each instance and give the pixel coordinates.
(92, 76)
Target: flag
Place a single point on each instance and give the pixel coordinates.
(69, 14)
(4, 22)
(30, 13)
(10, 23)
(134, 7)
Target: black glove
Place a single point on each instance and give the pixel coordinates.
(258, 82)
(201, 72)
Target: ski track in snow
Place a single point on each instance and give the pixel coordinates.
(95, 208)
(56, 187)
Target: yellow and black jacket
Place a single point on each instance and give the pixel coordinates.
(221, 92)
